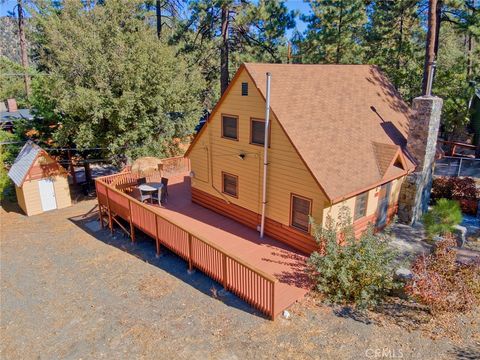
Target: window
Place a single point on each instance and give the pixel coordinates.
(230, 127)
(257, 132)
(244, 89)
(230, 184)
(301, 208)
(361, 206)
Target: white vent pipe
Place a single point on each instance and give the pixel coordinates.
(265, 154)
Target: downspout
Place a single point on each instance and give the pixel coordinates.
(265, 155)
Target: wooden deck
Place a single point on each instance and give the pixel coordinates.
(267, 254)
(272, 257)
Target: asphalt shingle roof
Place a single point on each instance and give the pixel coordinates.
(336, 116)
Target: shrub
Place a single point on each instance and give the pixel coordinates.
(443, 284)
(462, 189)
(357, 271)
(442, 218)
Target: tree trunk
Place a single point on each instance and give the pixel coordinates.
(158, 10)
(400, 39)
(23, 47)
(432, 40)
(470, 46)
(224, 76)
(339, 35)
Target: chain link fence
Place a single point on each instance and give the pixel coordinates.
(455, 166)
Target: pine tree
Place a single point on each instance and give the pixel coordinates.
(111, 83)
(220, 34)
(334, 33)
(394, 41)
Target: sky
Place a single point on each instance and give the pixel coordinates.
(298, 5)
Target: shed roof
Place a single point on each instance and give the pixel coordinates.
(348, 123)
(24, 162)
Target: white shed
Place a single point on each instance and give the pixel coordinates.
(41, 183)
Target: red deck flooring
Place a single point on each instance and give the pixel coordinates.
(267, 254)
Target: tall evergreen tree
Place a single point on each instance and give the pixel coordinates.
(395, 41)
(111, 82)
(219, 34)
(335, 31)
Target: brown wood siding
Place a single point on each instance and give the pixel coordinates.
(20, 199)
(31, 195)
(212, 155)
(62, 192)
(362, 224)
(286, 234)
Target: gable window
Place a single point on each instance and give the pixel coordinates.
(361, 206)
(300, 211)
(230, 127)
(244, 88)
(257, 132)
(230, 184)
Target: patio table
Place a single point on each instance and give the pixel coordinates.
(150, 188)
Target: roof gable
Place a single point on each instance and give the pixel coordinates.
(25, 160)
(332, 114)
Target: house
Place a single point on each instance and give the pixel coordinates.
(337, 137)
(40, 182)
(10, 113)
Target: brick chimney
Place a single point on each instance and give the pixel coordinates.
(422, 144)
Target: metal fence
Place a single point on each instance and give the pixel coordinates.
(455, 166)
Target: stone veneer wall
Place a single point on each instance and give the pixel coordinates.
(422, 145)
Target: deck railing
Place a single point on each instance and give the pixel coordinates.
(249, 283)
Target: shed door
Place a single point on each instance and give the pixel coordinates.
(47, 194)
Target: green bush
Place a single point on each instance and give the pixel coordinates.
(442, 218)
(7, 156)
(358, 271)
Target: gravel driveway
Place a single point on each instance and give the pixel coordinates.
(71, 291)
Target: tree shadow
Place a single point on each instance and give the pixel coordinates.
(469, 353)
(144, 249)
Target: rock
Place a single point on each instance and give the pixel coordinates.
(286, 314)
(460, 233)
(403, 274)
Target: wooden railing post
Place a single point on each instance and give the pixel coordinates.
(130, 220)
(157, 239)
(110, 225)
(190, 253)
(100, 214)
(273, 301)
(224, 265)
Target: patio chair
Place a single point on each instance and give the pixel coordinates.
(165, 185)
(142, 180)
(137, 194)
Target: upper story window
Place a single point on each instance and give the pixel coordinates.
(244, 88)
(257, 132)
(301, 209)
(361, 206)
(230, 127)
(230, 184)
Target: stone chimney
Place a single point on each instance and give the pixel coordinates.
(422, 144)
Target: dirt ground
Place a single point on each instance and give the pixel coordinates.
(72, 291)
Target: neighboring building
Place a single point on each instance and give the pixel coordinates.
(10, 113)
(41, 183)
(337, 137)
